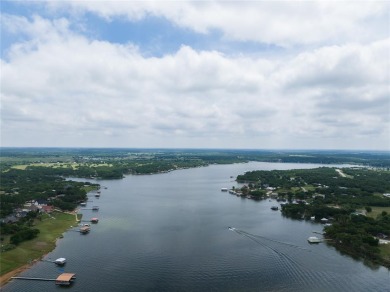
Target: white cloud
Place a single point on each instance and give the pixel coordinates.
(284, 23)
(62, 89)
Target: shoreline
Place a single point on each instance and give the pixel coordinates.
(5, 278)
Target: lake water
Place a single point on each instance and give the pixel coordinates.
(169, 232)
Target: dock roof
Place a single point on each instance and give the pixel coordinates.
(65, 277)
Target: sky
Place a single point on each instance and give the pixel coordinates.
(196, 74)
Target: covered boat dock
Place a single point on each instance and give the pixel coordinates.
(65, 279)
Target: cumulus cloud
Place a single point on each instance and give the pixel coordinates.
(284, 23)
(59, 83)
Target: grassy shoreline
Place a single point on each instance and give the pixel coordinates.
(51, 227)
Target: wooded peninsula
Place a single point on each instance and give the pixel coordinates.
(353, 204)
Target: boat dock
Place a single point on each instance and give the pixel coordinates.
(84, 229)
(59, 261)
(64, 279)
(94, 208)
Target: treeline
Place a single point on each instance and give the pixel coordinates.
(361, 186)
(355, 235)
(9, 156)
(316, 209)
(21, 230)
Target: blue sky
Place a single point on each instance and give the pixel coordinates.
(154, 35)
(209, 74)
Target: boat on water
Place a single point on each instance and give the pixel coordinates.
(94, 220)
(224, 189)
(95, 208)
(83, 204)
(85, 229)
(313, 239)
(275, 208)
(60, 261)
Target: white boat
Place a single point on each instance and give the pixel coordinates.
(314, 239)
(60, 261)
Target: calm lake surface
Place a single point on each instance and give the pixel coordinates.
(169, 232)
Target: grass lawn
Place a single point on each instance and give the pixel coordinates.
(310, 188)
(89, 188)
(50, 229)
(47, 164)
(378, 210)
(385, 251)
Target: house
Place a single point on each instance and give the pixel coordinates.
(381, 235)
(10, 219)
(31, 208)
(21, 213)
(47, 209)
(41, 202)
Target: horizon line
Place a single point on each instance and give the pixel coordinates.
(194, 148)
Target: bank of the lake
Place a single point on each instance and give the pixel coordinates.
(169, 232)
(51, 228)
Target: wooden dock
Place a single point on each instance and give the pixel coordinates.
(36, 279)
(93, 208)
(64, 279)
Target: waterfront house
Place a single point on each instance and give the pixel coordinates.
(47, 209)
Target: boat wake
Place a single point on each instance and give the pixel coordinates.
(242, 232)
(285, 260)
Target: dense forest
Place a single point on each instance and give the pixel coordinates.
(38, 183)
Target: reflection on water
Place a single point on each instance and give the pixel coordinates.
(170, 232)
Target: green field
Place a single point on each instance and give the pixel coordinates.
(52, 164)
(50, 230)
(377, 210)
(385, 251)
(61, 165)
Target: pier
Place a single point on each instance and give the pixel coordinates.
(94, 208)
(36, 279)
(64, 279)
